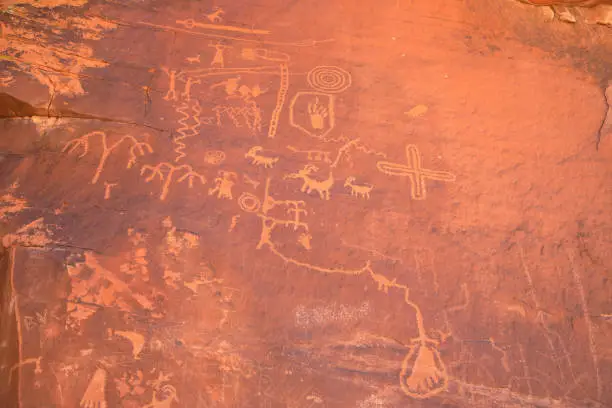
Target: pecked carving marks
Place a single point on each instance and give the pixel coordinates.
(415, 172)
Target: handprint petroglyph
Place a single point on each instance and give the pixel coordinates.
(318, 113)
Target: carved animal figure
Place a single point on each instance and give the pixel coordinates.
(215, 16)
(360, 191)
(259, 160)
(170, 396)
(310, 184)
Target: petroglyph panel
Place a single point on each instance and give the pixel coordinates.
(307, 206)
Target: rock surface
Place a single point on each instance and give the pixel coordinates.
(304, 204)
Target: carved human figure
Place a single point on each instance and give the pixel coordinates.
(218, 59)
(223, 185)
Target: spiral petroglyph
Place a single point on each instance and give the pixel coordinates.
(329, 79)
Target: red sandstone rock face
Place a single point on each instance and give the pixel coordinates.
(315, 204)
(579, 3)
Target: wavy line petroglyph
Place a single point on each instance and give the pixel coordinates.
(137, 149)
(186, 130)
(415, 172)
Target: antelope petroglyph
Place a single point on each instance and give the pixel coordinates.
(259, 160)
(360, 191)
(310, 184)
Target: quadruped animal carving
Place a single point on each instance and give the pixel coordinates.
(260, 160)
(313, 155)
(360, 191)
(320, 186)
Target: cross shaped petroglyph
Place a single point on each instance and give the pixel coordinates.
(415, 172)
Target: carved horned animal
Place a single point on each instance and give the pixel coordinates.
(215, 16)
(360, 191)
(259, 160)
(310, 184)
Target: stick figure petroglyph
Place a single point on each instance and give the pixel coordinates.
(219, 59)
(171, 94)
